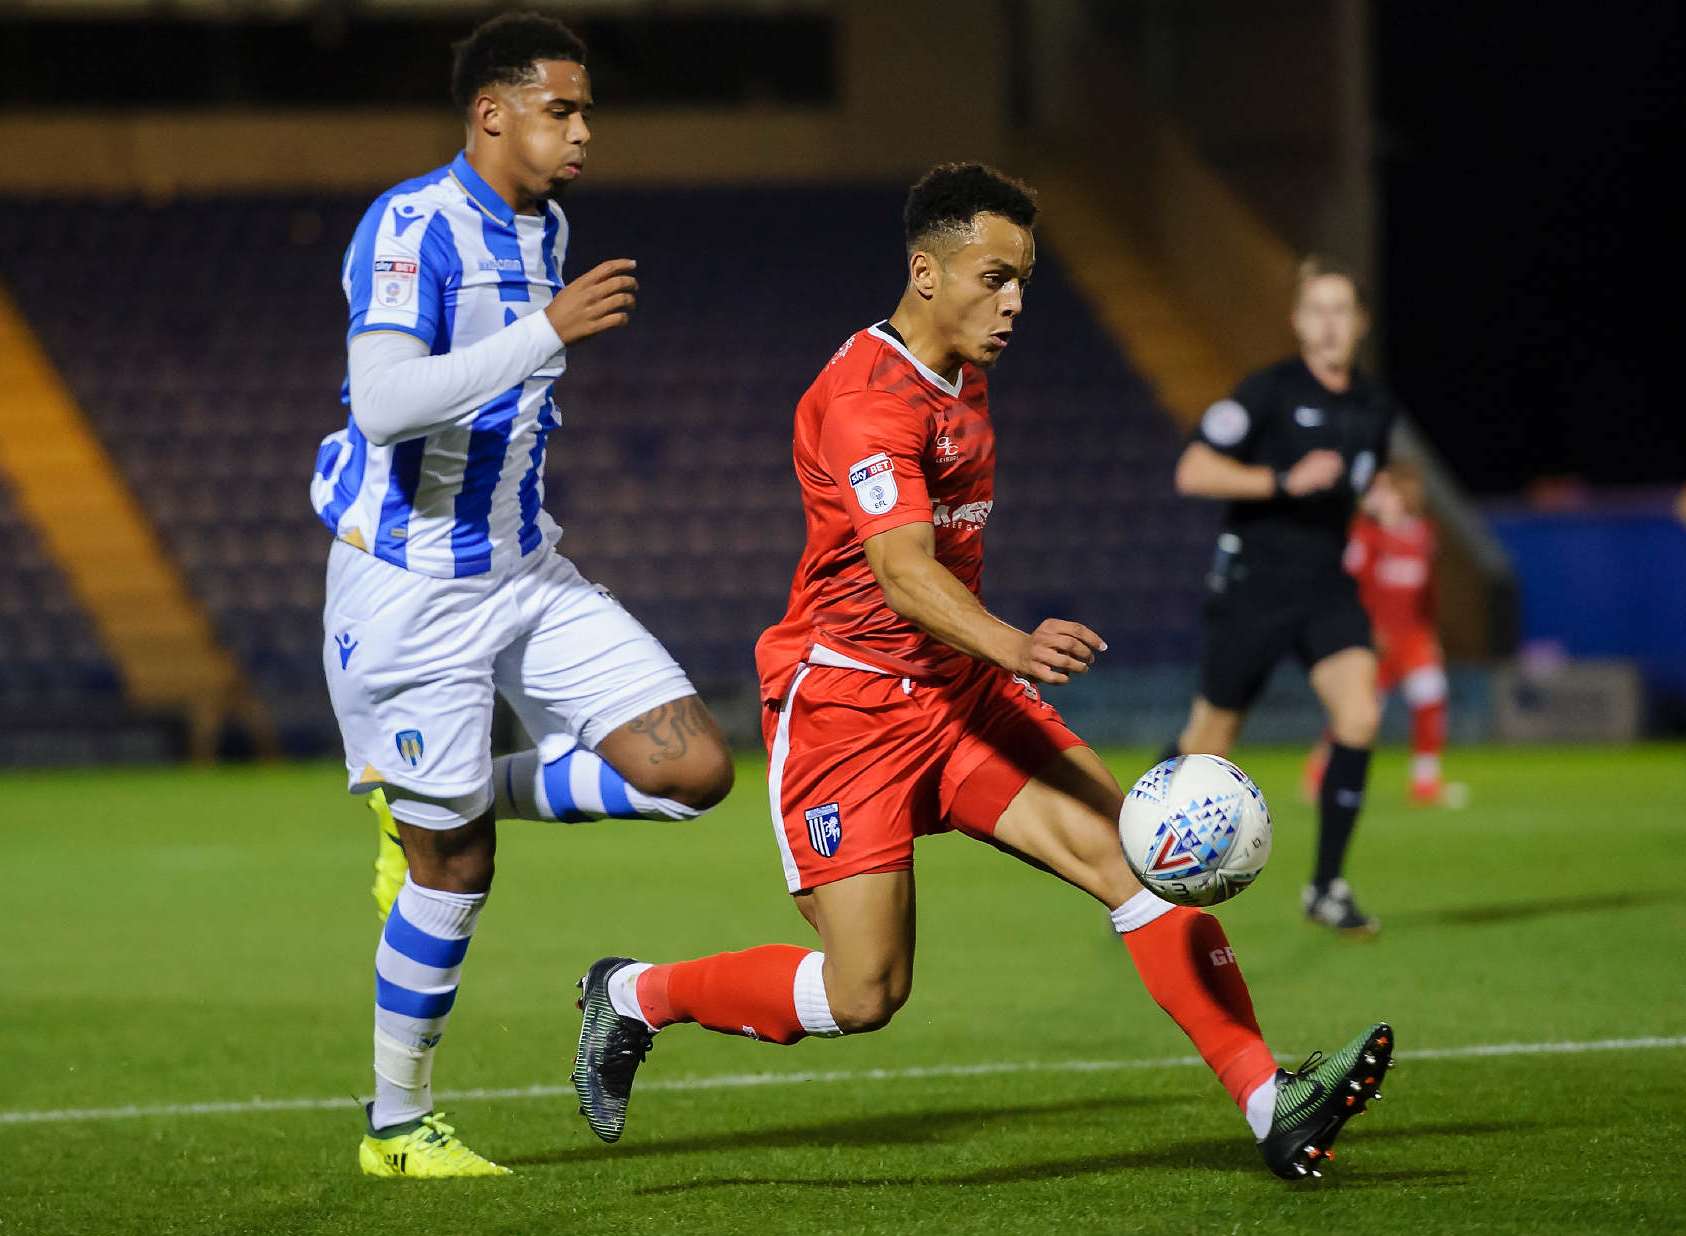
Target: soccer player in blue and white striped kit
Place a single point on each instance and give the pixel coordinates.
(443, 581)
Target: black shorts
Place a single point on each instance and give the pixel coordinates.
(1253, 625)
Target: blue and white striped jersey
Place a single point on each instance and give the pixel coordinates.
(445, 259)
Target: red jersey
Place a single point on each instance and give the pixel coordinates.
(881, 441)
(1394, 568)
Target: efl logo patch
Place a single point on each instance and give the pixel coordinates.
(825, 829)
(410, 746)
(874, 481)
(395, 281)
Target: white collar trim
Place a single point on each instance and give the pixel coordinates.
(925, 371)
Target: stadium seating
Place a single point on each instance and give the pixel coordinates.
(61, 698)
(205, 340)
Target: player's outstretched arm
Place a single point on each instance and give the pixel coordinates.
(1205, 473)
(926, 593)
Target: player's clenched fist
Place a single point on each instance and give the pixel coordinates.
(599, 300)
(1314, 472)
(1058, 649)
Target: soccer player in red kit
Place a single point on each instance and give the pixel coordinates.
(1391, 554)
(897, 706)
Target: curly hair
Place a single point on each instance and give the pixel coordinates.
(941, 206)
(502, 52)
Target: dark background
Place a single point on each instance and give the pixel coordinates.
(1530, 260)
(1531, 244)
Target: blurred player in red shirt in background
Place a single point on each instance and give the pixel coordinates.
(1391, 555)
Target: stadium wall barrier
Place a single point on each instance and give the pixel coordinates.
(1147, 706)
(1607, 582)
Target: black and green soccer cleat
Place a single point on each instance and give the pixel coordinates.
(1317, 1099)
(611, 1049)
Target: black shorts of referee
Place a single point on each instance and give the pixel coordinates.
(1252, 620)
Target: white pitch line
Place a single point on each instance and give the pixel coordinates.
(737, 1081)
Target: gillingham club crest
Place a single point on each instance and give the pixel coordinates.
(410, 746)
(825, 829)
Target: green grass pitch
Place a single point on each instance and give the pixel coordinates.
(174, 938)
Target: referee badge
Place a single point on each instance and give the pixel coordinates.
(825, 828)
(1225, 423)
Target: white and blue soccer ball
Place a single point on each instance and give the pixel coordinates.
(1195, 830)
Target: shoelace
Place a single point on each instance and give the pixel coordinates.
(442, 1136)
(1311, 1062)
(440, 1132)
(620, 1064)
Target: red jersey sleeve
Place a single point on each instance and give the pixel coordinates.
(873, 446)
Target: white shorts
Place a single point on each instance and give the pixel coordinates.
(412, 662)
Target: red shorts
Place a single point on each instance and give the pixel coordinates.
(861, 763)
(1402, 651)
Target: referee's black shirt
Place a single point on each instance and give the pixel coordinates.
(1276, 417)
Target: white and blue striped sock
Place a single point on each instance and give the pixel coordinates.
(417, 968)
(575, 786)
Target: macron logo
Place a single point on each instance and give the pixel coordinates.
(347, 646)
(402, 218)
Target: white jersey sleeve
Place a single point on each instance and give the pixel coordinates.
(398, 391)
(397, 270)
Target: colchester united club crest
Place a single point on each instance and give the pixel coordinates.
(410, 746)
(825, 828)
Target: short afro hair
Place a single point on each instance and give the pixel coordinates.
(502, 52)
(941, 206)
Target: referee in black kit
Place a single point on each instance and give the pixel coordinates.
(1291, 452)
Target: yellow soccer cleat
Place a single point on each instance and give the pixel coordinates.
(390, 864)
(425, 1149)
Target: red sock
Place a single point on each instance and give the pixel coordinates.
(751, 993)
(1428, 728)
(1185, 961)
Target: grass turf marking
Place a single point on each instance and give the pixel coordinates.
(734, 1081)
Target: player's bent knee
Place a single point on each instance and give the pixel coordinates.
(1356, 725)
(867, 1007)
(710, 784)
(700, 781)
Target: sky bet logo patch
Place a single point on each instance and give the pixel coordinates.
(395, 281)
(410, 746)
(825, 828)
(874, 482)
